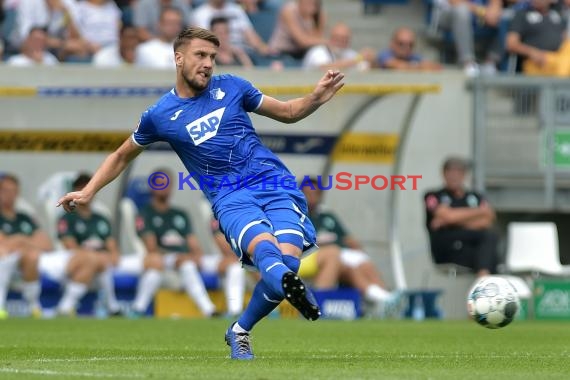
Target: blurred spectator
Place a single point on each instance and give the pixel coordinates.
(401, 55)
(300, 26)
(227, 53)
(21, 242)
(98, 25)
(158, 52)
(59, 17)
(459, 223)
(146, 15)
(121, 54)
(461, 17)
(357, 269)
(170, 244)
(242, 33)
(34, 51)
(538, 34)
(337, 53)
(90, 231)
(254, 6)
(227, 265)
(25, 245)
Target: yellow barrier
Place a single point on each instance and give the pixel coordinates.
(177, 304)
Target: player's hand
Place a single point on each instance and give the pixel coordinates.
(329, 84)
(74, 199)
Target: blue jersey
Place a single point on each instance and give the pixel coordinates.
(213, 135)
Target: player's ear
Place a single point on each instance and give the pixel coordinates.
(178, 58)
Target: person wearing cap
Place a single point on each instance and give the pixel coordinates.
(460, 221)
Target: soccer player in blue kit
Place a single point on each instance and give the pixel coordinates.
(204, 119)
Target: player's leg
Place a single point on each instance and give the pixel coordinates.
(148, 283)
(107, 283)
(296, 236)
(31, 288)
(8, 264)
(193, 284)
(80, 267)
(243, 223)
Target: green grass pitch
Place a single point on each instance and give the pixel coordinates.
(285, 349)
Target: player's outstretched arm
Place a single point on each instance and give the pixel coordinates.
(113, 165)
(294, 110)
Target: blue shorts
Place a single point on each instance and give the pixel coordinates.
(281, 213)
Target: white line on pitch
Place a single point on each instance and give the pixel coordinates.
(49, 372)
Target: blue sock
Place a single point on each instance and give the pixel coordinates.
(268, 259)
(262, 302)
(292, 262)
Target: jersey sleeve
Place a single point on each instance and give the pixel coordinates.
(143, 223)
(64, 228)
(252, 97)
(431, 202)
(146, 133)
(518, 25)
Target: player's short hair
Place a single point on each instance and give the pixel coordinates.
(192, 33)
(9, 177)
(81, 180)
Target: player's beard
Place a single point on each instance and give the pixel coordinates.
(192, 83)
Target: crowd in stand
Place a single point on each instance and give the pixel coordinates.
(279, 34)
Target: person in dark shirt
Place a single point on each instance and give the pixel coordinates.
(459, 222)
(24, 244)
(21, 242)
(538, 34)
(170, 244)
(89, 230)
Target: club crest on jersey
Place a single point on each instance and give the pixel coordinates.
(206, 127)
(217, 93)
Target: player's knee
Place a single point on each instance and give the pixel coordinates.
(252, 243)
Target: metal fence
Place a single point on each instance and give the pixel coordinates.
(522, 141)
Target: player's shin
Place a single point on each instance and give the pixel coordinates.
(263, 301)
(294, 263)
(269, 260)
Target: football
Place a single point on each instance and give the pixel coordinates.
(493, 302)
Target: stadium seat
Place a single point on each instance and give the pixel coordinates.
(533, 248)
(130, 241)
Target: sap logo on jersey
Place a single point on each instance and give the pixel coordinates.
(205, 127)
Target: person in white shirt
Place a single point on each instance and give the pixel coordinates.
(158, 53)
(242, 33)
(59, 17)
(120, 54)
(337, 53)
(98, 24)
(34, 51)
(146, 15)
